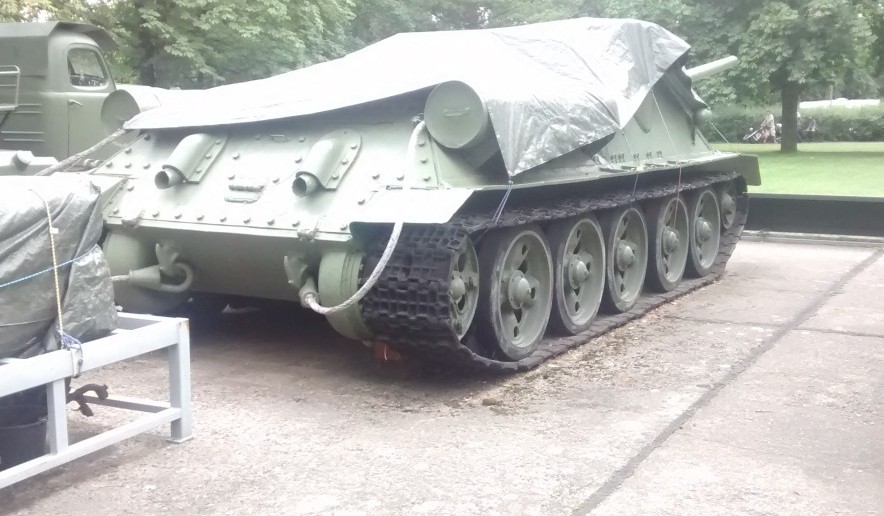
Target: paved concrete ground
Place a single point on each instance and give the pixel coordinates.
(761, 394)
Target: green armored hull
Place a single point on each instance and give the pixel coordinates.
(486, 198)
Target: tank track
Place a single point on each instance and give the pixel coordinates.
(409, 306)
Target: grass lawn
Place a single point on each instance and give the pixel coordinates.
(825, 168)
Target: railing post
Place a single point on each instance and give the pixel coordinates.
(57, 403)
(179, 384)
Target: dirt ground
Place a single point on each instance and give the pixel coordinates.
(760, 394)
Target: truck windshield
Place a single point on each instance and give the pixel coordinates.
(85, 68)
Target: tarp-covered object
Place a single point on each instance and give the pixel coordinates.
(28, 309)
(550, 87)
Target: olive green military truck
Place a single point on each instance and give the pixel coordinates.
(57, 96)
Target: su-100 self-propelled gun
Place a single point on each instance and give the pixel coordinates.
(486, 198)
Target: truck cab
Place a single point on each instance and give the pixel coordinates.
(53, 81)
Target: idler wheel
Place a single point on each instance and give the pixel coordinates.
(668, 242)
(704, 231)
(516, 292)
(463, 287)
(727, 200)
(578, 249)
(626, 248)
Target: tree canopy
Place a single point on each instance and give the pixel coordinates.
(787, 47)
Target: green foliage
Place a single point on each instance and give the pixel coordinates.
(850, 124)
(733, 122)
(25, 10)
(833, 124)
(201, 43)
(815, 44)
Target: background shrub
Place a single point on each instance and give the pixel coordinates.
(838, 124)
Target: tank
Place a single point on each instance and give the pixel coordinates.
(485, 199)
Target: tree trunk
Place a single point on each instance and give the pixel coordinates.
(147, 75)
(790, 95)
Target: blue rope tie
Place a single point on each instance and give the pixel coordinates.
(72, 344)
(50, 269)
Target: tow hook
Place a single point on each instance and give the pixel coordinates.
(153, 278)
(169, 275)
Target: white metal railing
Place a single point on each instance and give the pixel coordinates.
(136, 335)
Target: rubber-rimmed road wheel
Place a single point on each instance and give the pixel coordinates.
(668, 242)
(626, 248)
(515, 291)
(578, 249)
(705, 235)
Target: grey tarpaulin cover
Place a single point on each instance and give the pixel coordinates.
(27, 308)
(549, 87)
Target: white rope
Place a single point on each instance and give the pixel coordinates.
(637, 163)
(311, 298)
(674, 151)
(67, 341)
(52, 231)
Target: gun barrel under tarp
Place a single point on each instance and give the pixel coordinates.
(704, 70)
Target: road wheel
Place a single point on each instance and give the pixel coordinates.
(516, 290)
(626, 246)
(704, 223)
(578, 249)
(668, 242)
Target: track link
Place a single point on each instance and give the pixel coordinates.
(409, 307)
